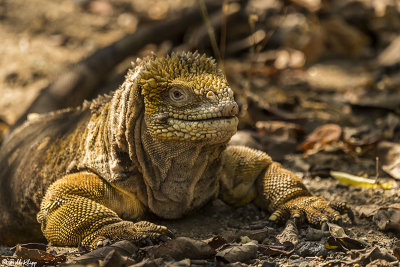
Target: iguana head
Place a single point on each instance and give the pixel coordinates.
(187, 98)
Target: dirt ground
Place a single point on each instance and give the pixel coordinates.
(318, 87)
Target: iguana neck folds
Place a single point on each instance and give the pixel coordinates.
(176, 175)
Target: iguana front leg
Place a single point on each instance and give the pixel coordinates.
(82, 209)
(251, 175)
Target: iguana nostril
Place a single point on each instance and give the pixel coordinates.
(235, 109)
(230, 109)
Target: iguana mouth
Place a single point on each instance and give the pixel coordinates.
(210, 119)
(215, 128)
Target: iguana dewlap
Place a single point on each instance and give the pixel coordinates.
(157, 144)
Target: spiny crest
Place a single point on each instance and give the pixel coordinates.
(177, 64)
(156, 72)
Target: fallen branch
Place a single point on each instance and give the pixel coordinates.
(82, 79)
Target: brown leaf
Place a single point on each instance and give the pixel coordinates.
(274, 250)
(388, 218)
(287, 241)
(396, 252)
(339, 239)
(237, 253)
(371, 255)
(289, 234)
(123, 248)
(361, 136)
(38, 255)
(216, 242)
(320, 137)
(366, 211)
(389, 155)
(114, 258)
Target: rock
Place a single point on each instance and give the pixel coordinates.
(312, 249)
(5, 251)
(269, 264)
(313, 234)
(237, 253)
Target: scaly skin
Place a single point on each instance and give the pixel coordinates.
(158, 144)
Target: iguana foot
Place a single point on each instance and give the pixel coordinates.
(142, 233)
(316, 210)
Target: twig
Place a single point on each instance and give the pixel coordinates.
(210, 30)
(222, 42)
(376, 169)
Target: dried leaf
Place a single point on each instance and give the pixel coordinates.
(123, 248)
(349, 179)
(287, 241)
(274, 250)
(396, 252)
(237, 253)
(320, 137)
(258, 235)
(38, 255)
(216, 242)
(361, 136)
(371, 255)
(389, 155)
(339, 239)
(114, 258)
(289, 234)
(366, 211)
(388, 218)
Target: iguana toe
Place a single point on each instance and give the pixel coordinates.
(315, 210)
(142, 233)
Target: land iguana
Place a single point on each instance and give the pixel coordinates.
(159, 143)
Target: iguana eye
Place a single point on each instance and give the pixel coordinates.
(178, 95)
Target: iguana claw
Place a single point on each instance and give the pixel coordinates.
(315, 210)
(142, 233)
